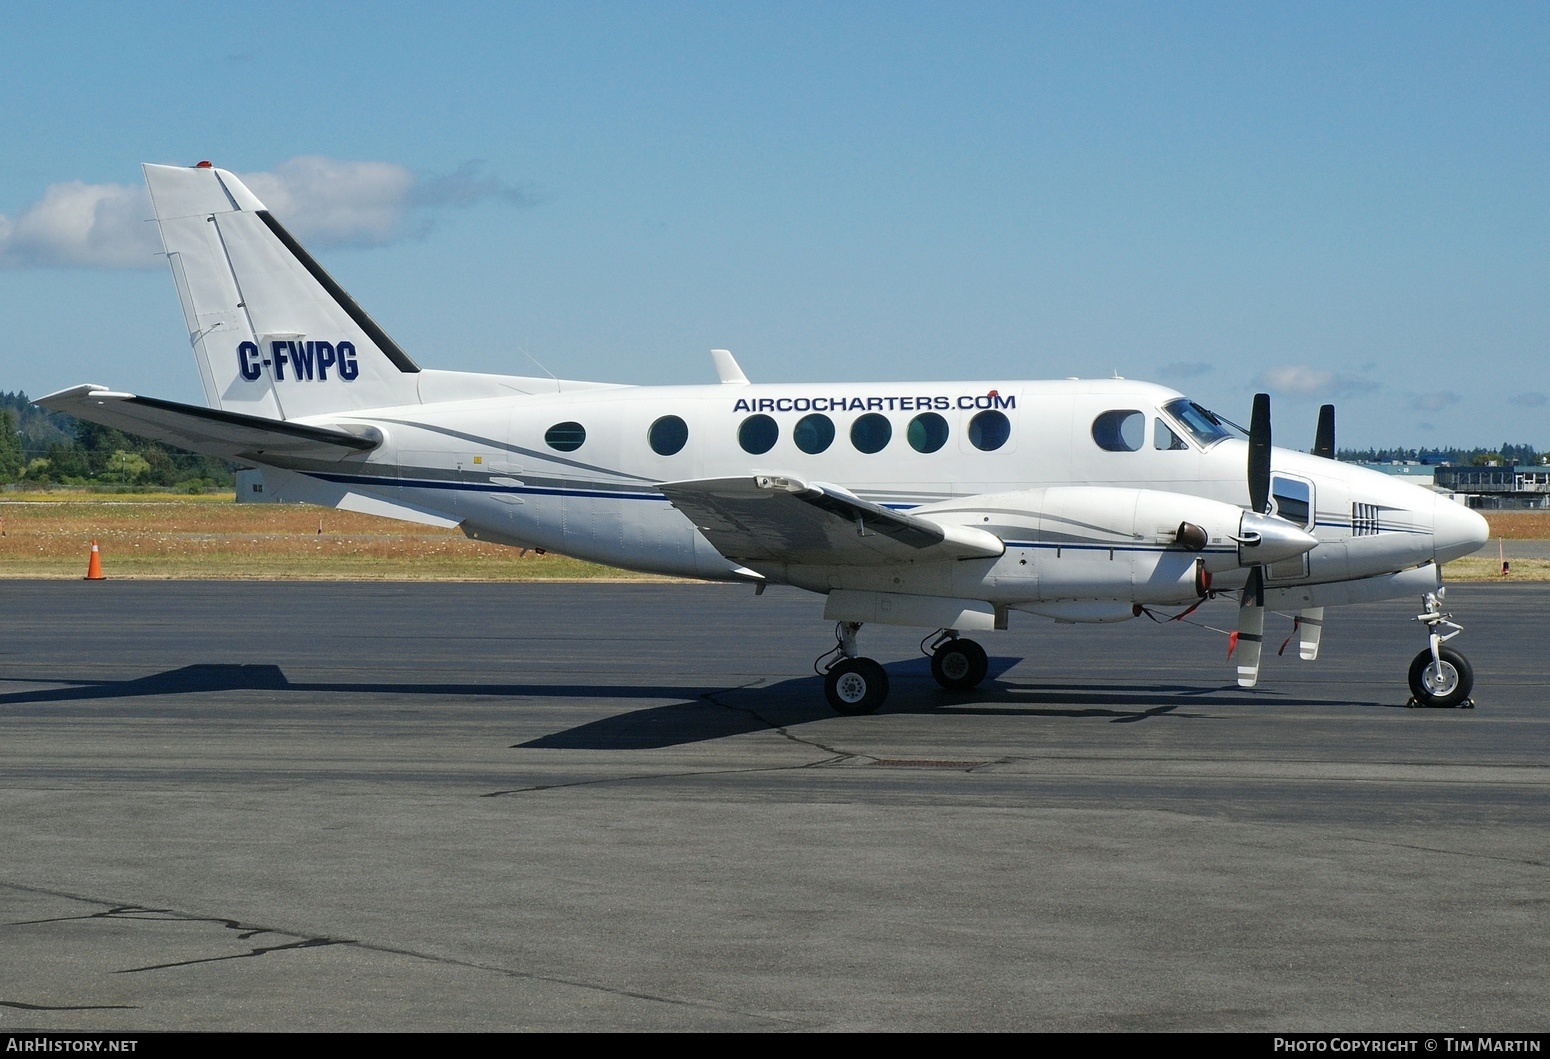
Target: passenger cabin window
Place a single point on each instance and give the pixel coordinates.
(758, 434)
(1293, 500)
(567, 437)
(1164, 438)
(988, 431)
(871, 433)
(1123, 430)
(927, 432)
(813, 433)
(668, 435)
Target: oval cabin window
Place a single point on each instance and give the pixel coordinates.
(813, 433)
(871, 433)
(988, 431)
(927, 432)
(567, 437)
(758, 434)
(1122, 430)
(668, 435)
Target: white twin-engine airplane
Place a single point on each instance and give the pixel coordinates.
(940, 505)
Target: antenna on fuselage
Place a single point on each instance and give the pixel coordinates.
(537, 365)
(727, 369)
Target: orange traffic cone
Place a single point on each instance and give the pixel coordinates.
(94, 568)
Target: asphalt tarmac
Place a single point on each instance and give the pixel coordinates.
(257, 806)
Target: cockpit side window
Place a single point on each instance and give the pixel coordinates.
(1122, 430)
(1164, 438)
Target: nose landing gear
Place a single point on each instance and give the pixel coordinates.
(1440, 676)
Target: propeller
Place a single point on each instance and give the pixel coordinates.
(1259, 455)
(1270, 540)
(1310, 620)
(1249, 638)
(1324, 440)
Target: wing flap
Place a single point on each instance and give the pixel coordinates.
(208, 430)
(773, 518)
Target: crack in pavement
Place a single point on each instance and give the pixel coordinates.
(304, 943)
(68, 1007)
(1461, 853)
(144, 914)
(836, 755)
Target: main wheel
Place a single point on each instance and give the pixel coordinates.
(959, 664)
(855, 685)
(1445, 684)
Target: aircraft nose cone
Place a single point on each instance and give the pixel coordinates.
(1457, 531)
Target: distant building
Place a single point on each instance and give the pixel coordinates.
(250, 487)
(1498, 488)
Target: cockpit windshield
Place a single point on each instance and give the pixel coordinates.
(1204, 425)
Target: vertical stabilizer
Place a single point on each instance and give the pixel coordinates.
(273, 333)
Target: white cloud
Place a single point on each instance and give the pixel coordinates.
(1434, 402)
(1302, 380)
(1184, 369)
(325, 202)
(80, 224)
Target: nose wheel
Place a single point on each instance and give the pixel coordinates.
(1444, 681)
(1440, 676)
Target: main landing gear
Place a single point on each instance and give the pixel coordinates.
(853, 685)
(1440, 676)
(856, 685)
(956, 663)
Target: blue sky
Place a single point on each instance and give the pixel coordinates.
(1345, 202)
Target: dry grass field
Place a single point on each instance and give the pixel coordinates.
(164, 536)
(1519, 525)
(49, 534)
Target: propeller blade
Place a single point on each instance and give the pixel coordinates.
(1259, 455)
(1251, 629)
(1310, 625)
(1324, 440)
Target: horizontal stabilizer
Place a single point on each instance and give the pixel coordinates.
(769, 518)
(208, 430)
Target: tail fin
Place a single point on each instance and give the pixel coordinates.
(272, 332)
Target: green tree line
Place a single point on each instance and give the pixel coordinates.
(47, 448)
(1509, 455)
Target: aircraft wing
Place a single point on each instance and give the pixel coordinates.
(207, 430)
(772, 518)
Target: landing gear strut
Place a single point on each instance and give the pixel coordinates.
(852, 684)
(1440, 676)
(956, 663)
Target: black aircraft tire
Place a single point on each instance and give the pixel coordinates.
(855, 686)
(1449, 688)
(959, 664)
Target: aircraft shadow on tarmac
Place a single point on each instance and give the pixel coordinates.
(761, 707)
(705, 714)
